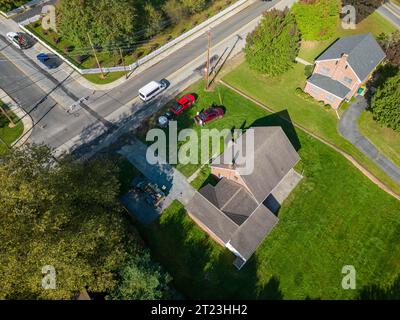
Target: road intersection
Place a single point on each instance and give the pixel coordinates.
(48, 95)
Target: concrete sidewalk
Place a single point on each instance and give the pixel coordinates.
(176, 184)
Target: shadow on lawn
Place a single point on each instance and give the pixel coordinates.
(375, 292)
(201, 269)
(283, 120)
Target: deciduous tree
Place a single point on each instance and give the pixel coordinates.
(273, 46)
(385, 103)
(317, 19)
(61, 214)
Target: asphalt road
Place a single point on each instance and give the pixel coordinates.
(52, 125)
(348, 127)
(55, 127)
(127, 91)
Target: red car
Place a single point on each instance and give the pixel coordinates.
(208, 115)
(182, 104)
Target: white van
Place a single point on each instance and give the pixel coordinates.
(151, 89)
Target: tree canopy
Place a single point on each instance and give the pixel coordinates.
(385, 103)
(7, 5)
(317, 19)
(391, 45)
(273, 46)
(64, 215)
(141, 279)
(363, 7)
(106, 21)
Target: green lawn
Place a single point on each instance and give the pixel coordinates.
(9, 135)
(335, 217)
(385, 139)
(375, 23)
(279, 94)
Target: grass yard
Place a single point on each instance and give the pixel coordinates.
(375, 23)
(9, 135)
(335, 217)
(385, 139)
(279, 94)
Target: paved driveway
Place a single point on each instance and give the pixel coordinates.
(348, 127)
(177, 186)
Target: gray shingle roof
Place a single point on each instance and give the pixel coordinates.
(274, 156)
(330, 85)
(250, 234)
(364, 52)
(232, 199)
(214, 219)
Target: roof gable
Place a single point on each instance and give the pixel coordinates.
(274, 156)
(363, 50)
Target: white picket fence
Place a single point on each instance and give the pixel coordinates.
(143, 60)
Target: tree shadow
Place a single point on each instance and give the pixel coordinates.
(375, 292)
(364, 8)
(283, 120)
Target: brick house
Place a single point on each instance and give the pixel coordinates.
(344, 68)
(238, 212)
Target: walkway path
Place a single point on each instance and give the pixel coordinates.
(348, 127)
(364, 171)
(177, 186)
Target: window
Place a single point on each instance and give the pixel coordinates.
(314, 90)
(325, 71)
(348, 80)
(330, 98)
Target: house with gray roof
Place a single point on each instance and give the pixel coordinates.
(343, 69)
(239, 211)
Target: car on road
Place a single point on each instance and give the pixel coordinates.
(182, 104)
(19, 40)
(152, 89)
(48, 61)
(209, 115)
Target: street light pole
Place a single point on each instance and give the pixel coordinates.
(123, 61)
(95, 55)
(208, 60)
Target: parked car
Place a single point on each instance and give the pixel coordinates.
(152, 89)
(47, 61)
(182, 104)
(209, 115)
(19, 40)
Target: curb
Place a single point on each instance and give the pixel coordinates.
(146, 65)
(22, 115)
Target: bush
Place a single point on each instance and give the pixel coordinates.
(308, 71)
(317, 19)
(273, 46)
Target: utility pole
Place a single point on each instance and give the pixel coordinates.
(208, 60)
(95, 55)
(123, 61)
(11, 124)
